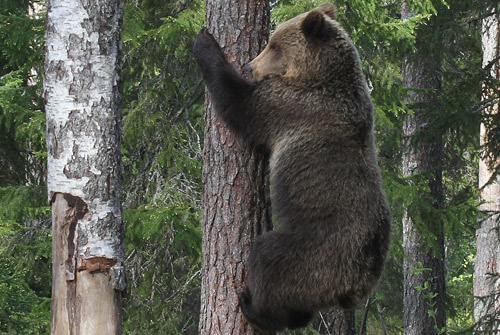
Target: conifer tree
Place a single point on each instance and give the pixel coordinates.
(24, 228)
(424, 291)
(235, 195)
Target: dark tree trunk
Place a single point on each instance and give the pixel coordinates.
(338, 321)
(235, 199)
(424, 272)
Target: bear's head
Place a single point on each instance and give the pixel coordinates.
(310, 47)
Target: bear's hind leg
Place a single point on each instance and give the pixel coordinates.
(260, 319)
(298, 319)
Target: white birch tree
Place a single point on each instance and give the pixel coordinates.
(82, 94)
(486, 267)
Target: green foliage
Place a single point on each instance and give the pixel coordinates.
(25, 257)
(22, 121)
(287, 9)
(162, 154)
(22, 311)
(429, 297)
(162, 127)
(164, 248)
(23, 203)
(25, 254)
(163, 98)
(21, 35)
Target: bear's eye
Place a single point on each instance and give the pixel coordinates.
(274, 47)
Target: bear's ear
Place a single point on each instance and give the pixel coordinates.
(313, 25)
(328, 9)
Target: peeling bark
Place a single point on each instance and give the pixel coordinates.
(235, 200)
(82, 93)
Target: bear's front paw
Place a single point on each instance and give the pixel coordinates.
(205, 47)
(244, 296)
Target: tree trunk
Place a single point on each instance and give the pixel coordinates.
(486, 272)
(424, 281)
(235, 198)
(82, 93)
(338, 321)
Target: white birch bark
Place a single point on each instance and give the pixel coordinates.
(486, 268)
(82, 94)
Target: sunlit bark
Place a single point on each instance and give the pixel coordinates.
(486, 268)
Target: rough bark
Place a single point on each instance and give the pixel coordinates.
(82, 94)
(235, 197)
(486, 268)
(338, 321)
(423, 266)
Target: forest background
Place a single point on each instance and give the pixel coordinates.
(162, 155)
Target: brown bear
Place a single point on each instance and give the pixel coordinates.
(309, 105)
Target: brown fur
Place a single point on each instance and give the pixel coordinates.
(309, 106)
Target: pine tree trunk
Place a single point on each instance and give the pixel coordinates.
(235, 197)
(486, 268)
(82, 93)
(339, 322)
(424, 280)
